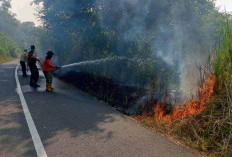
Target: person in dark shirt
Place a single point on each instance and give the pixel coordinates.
(23, 62)
(32, 60)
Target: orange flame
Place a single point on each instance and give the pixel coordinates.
(190, 108)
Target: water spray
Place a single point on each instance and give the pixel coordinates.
(87, 62)
(137, 72)
(99, 61)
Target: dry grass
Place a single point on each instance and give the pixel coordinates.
(209, 131)
(4, 59)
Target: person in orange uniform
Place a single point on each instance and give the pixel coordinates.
(47, 70)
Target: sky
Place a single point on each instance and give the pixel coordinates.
(26, 12)
(224, 5)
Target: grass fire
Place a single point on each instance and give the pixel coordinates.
(194, 106)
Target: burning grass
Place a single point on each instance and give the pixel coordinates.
(184, 110)
(204, 123)
(189, 108)
(201, 123)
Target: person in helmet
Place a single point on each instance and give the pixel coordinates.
(32, 60)
(47, 70)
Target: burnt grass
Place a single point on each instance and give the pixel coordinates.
(118, 95)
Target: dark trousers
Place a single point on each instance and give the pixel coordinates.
(48, 76)
(23, 65)
(34, 75)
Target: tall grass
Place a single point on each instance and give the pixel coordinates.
(223, 63)
(211, 130)
(223, 89)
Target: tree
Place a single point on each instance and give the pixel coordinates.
(174, 31)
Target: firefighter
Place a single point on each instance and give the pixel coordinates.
(23, 62)
(32, 60)
(47, 70)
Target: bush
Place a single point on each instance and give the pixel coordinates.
(8, 48)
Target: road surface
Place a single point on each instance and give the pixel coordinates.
(72, 124)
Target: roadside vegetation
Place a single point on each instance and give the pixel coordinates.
(209, 130)
(16, 36)
(8, 49)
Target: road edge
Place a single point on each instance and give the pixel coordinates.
(40, 151)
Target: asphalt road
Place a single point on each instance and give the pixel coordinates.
(72, 124)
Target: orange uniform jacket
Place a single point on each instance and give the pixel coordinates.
(48, 65)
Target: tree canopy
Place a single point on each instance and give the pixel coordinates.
(176, 32)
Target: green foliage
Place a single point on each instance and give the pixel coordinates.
(223, 89)
(8, 27)
(8, 23)
(91, 29)
(17, 35)
(174, 31)
(136, 72)
(27, 34)
(223, 63)
(8, 48)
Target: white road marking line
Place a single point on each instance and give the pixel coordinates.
(34, 133)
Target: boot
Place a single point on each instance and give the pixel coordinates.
(48, 87)
(36, 85)
(31, 84)
(52, 87)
